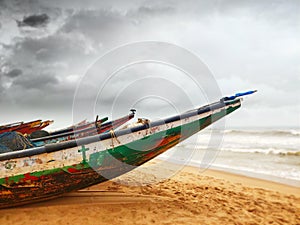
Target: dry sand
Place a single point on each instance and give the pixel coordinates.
(188, 197)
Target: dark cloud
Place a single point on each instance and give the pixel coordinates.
(14, 73)
(154, 11)
(52, 49)
(101, 26)
(36, 81)
(34, 20)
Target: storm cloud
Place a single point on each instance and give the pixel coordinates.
(14, 73)
(34, 20)
(246, 44)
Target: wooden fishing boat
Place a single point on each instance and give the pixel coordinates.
(47, 172)
(80, 126)
(34, 127)
(18, 125)
(25, 128)
(97, 128)
(6, 126)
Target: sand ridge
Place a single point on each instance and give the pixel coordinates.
(188, 197)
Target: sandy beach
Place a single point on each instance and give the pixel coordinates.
(190, 196)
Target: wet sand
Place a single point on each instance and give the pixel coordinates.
(146, 196)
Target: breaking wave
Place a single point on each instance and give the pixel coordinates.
(294, 133)
(266, 151)
(270, 151)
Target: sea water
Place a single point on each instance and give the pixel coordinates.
(272, 154)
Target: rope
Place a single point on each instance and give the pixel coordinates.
(113, 136)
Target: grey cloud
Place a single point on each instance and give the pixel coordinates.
(34, 20)
(154, 11)
(35, 81)
(50, 52)
(248, 44)
(102, 26)
(14, 73)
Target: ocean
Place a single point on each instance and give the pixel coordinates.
(267, 154)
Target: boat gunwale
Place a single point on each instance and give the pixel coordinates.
(17, 125)
(100, 137)
(77, 127)
(74, 132)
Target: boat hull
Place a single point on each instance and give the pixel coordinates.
(27, 128)
(48, 176)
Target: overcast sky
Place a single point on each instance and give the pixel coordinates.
(46, 47)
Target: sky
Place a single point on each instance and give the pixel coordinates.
(49, 49)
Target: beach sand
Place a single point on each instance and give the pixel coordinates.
(189, 196)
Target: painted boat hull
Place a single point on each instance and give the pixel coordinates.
(27, 128)
(48, 173)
